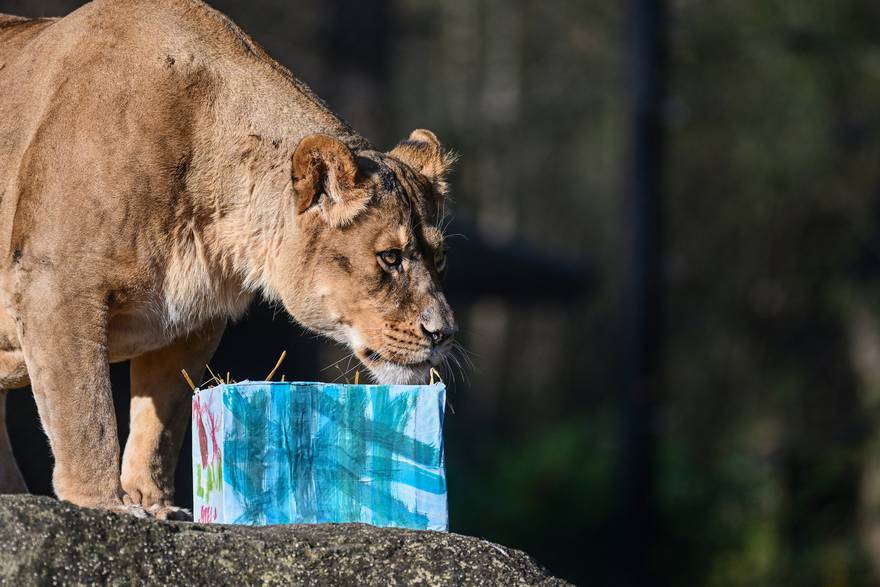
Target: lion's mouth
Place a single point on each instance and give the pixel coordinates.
(371, 357)
(390, 371)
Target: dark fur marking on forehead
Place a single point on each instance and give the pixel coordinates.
(424, 210)
(397, 179)
(391, 179)
(373, 163)
(387, 179)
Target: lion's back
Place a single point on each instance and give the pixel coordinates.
(77, 63)
(131, 26)
(107, 82)
(104, 54)
(16, 31)
(106, 43)
(93, 24)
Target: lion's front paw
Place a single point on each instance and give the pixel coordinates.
(170, 512)
(129, 509)
(155, 505)
(158, 512)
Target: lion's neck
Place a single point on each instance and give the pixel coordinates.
(263, 100)
(250, 193)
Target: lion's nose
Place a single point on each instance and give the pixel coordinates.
(438, 335)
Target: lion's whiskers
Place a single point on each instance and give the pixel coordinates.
(349, 369)
(452, 362)
(464, 353)
(334, 363)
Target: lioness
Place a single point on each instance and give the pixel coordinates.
(157, 170)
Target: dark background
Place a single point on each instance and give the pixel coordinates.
(667, 279)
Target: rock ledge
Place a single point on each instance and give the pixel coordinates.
(43, 541)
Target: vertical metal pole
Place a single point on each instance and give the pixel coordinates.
(643, 295)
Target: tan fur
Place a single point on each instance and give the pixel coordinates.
(158, 170)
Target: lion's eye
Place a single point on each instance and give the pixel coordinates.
(391, 258)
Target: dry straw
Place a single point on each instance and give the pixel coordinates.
(216, 380)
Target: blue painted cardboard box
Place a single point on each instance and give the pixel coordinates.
(280, 453)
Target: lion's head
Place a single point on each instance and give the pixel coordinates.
(368, 256)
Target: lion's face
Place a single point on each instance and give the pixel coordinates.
(370, 253)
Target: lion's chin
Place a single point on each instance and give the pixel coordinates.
(394, 374)
(386, 372)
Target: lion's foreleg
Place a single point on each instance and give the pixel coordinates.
(160, 411)
(65, 348)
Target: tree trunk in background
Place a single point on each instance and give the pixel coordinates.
(643, 293)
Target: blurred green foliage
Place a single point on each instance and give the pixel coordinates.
(772, 195)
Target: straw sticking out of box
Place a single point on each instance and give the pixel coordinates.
(188, 380)
(215, 379)
(275, 368)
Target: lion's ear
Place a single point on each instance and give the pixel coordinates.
(325, 175)
(424, 153)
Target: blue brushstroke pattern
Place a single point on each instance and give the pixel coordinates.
(315, 453)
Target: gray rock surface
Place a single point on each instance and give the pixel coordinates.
(46, 542)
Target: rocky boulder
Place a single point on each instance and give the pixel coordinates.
(43, 541)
